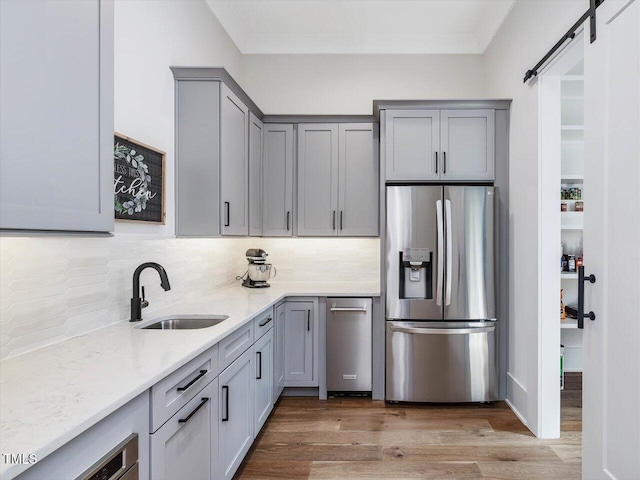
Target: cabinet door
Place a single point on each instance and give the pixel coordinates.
(468, 145)
(234, 164)
(197, 159)
(183, 447)
(264, 380)
(298, 344)
(280, 326)
(317, 179)
(256, 142)
(236, 418)
(56, 115)
(412, 143)
(278, 180)
(358, 191)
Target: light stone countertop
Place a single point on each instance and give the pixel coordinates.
(51, 395)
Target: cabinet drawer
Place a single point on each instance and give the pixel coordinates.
(234, 345)
(184, 446)
(175, 391)
(262, 324)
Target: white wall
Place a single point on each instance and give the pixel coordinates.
(531, 28)
(150, 36)
(347, 84)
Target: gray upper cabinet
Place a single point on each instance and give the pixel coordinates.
(197, 159)
(317, 179)
(456, 145)
(56, 115)
(234, 164)
(468, 145)
(358, 179)
(278, 180)
(412, 144)
(256, 142)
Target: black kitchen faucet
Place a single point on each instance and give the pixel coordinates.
(137, 303)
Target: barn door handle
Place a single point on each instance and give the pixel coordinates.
(581, 281)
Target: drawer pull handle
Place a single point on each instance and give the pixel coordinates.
(265, 322)
(225, 391)
(200, 375)
(186, 419)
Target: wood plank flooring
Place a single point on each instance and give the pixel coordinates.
(306, 438)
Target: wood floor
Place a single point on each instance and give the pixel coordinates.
(360, 438)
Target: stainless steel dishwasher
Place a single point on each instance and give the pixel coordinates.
(349, 345)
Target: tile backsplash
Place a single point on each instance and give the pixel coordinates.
(53, 288)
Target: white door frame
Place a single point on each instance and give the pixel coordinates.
(545, 421)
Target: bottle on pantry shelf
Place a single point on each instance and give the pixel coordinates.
(579, 262)
(563, 314)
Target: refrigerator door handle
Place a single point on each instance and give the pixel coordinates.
(443, 331)
(449, 271)
(440, 252)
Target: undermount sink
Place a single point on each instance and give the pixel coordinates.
(191, 322)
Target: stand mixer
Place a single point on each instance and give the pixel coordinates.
(258, 271)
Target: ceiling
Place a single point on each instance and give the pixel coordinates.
(361, 26)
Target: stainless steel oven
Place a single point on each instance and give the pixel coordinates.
(121, 463)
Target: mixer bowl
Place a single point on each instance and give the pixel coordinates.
(261, 272)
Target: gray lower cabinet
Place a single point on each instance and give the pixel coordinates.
(412, 143)
(299, 336)
(197, 158)
(317, 179)
(235, 414)
(467, 141)
(280, 327)
(256, 142)
(278, 180)
(264, 380)
(234, 164)
(358, 186)
(56, 85)
(185, 448)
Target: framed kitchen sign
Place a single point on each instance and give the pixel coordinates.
(138, 181)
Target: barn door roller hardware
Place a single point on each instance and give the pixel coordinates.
(591, 14)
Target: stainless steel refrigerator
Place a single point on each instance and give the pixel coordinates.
(440, 294)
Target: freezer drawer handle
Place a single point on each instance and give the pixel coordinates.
(443, 331)
(349, 309)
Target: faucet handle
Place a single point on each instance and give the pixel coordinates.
(144, 303)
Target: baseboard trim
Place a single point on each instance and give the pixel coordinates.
(300, 392)
(516, 398)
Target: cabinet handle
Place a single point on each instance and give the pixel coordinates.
(186, 419)
(288, 213)
(308, 320)
(225, 392)
(581, 280)
(333, 222)
(259, 354)
(200, 375)
(265, 322)
(227, 213)
(444, 162)
(436, 162)
(340, 219)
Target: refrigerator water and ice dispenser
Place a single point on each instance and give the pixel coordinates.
(415, 273)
